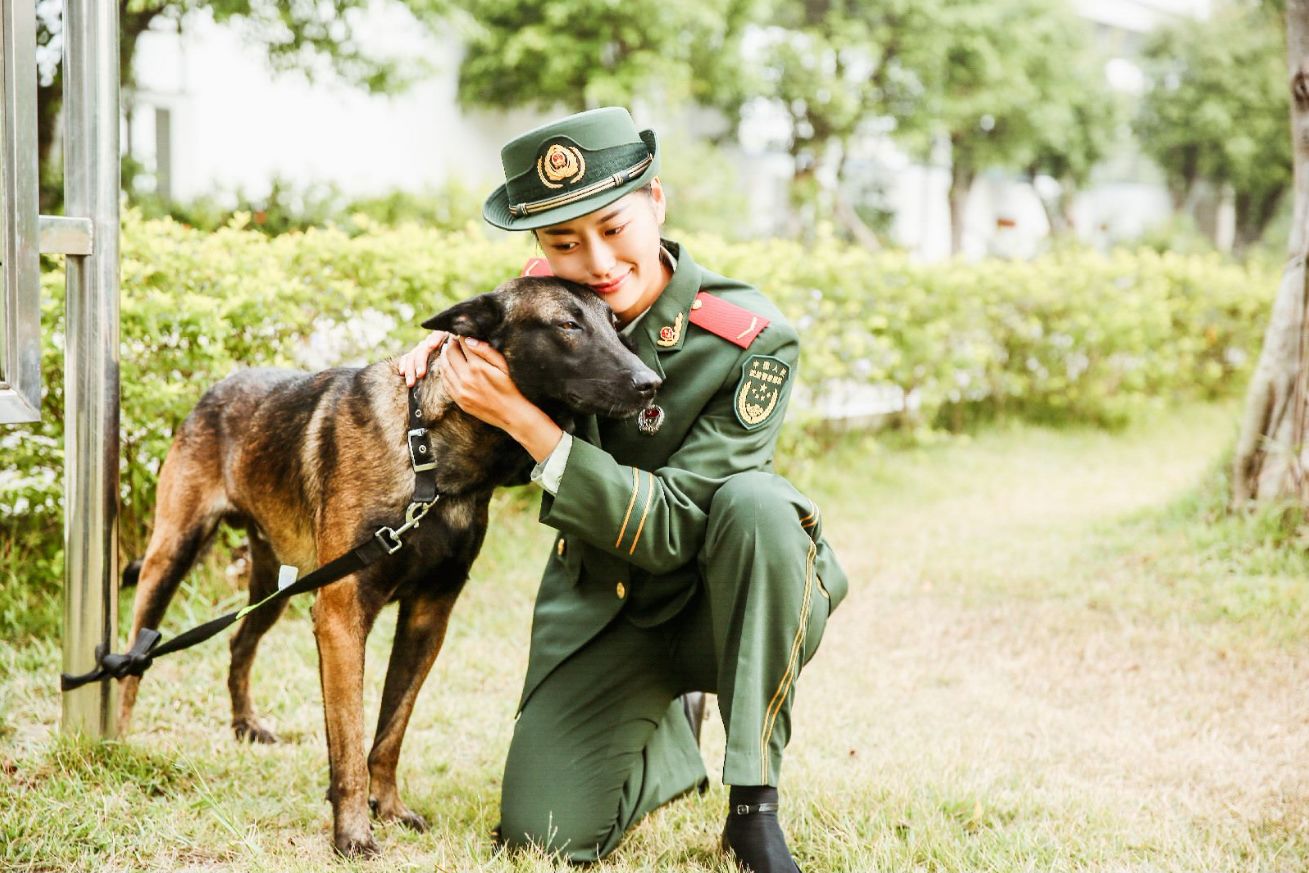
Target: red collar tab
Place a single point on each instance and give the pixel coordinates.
(727, 320)
(537, 267)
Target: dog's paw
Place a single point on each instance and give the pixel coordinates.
(400, 814)
(355, 842)
(357, 847)
(411, 820)
(249, 730)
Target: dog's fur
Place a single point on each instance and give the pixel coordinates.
(312, 464)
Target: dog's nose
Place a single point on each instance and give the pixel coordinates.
(647, 382)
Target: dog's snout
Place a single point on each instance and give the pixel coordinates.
(646, 381)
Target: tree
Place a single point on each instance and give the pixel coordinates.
(1216, 111)
(834, 69)
(1074, 132)
(313, 37)
(1009, 81)
(580, 54)
(1270, 454)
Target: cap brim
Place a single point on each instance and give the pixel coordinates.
(496, 208)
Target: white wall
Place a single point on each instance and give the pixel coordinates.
(237, 125)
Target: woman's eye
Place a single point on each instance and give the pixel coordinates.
(564, 247)
(615, 231)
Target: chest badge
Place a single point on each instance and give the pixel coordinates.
(669, 333)
(650, 419)
(759, 393)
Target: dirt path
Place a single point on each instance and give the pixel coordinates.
(984, 666)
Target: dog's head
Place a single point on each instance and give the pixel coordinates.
(562, 345)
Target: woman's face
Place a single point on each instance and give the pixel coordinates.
(614, 251)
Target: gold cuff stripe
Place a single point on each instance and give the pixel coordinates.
(619, 178)
(649, 498)
(623, 530)
(792, 664)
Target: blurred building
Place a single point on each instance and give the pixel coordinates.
(207, 117)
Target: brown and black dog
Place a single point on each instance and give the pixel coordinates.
(312, 464)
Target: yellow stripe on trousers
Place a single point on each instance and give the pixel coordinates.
(792, 667)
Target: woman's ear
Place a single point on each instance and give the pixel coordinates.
(657, 200)
(478, 317)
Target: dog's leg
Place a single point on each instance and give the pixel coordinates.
(188, 509)
(263, 582)
(341, 624)
(420, 630)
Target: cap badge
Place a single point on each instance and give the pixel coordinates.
(669, 333)
(560, 165)
(650, 419)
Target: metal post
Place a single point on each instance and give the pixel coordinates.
(20, 293)
(91, 190)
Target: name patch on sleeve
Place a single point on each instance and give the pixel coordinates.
(759, 394)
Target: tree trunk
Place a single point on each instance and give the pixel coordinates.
(1254, 212)
(961, 182)
(1270, 456)
(847, 215)
(48, 100)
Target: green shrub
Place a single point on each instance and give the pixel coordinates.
(1074, 336)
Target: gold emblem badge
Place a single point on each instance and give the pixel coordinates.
(669, 333)
(560, 165)
(759, 394)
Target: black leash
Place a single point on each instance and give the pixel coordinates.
(384, 541)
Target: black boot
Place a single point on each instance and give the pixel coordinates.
(753, 835)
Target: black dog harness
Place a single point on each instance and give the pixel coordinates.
(384, 541)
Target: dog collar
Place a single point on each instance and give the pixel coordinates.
(421, 456)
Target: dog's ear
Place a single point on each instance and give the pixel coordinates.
(478, 317)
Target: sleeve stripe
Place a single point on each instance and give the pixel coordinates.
(649, 498)
(623, 530)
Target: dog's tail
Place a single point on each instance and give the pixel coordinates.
(132, 573)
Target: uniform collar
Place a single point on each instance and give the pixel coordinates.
(666, 257)
(664, 326)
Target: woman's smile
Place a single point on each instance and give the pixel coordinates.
(612, 285)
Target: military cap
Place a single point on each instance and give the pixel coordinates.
(570, 167)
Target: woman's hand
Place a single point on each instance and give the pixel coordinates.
(477, 379)
(413, 365)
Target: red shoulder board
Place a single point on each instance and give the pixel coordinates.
(727, 320)
(537, 267)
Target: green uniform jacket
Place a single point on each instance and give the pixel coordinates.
(632, 508)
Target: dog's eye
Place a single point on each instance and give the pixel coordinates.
(570, 325)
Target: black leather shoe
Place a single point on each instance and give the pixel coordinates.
(754, 838)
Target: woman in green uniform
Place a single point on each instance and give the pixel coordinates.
(683, 563)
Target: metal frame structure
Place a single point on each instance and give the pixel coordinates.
(88, 236)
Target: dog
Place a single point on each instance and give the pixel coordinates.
(312, 464)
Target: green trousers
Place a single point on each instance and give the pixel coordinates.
(603, 740)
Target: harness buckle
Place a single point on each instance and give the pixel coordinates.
(389, 539)
(420, 455)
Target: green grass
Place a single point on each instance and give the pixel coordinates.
(1059, 653)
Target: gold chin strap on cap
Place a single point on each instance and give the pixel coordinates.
(619, 178)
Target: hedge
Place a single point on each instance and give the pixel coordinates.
(1072, 336)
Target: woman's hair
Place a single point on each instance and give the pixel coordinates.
(645, 189)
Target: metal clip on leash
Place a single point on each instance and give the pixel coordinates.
(390, 537)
